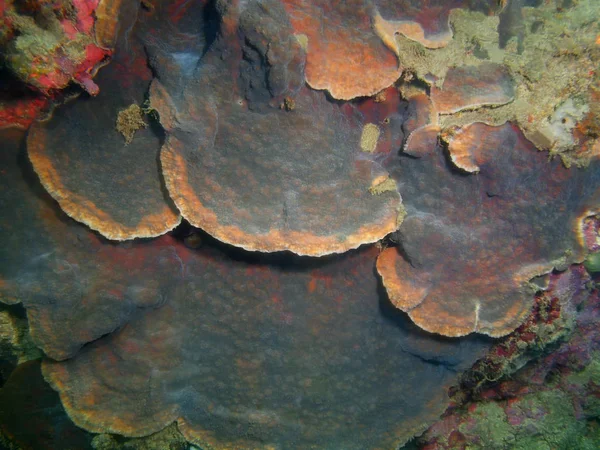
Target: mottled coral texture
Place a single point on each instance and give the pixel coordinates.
(283, 131)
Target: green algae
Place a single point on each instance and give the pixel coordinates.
(553, 424)
(589, 376)
(592, 262)
(543, 420)
(548, 422)
(491, 426)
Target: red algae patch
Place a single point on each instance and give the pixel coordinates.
(19, 107)
(47, 45)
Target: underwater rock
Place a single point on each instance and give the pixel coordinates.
(175, 36)
(16, 345)
(470, 243)
(168, 439)
(9, 337)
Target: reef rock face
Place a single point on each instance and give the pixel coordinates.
(48, 45)
(31, 416)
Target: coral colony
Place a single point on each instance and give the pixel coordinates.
(307, 224)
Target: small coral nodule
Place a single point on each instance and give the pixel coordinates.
(369, 138)
(130, 120)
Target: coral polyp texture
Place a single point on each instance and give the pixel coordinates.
(229, 384)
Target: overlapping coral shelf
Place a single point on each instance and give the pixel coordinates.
(87, 159)
(278, 132)
(238, 352)
(258, 160)
(470, 243)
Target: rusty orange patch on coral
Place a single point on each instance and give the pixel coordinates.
(344, 55)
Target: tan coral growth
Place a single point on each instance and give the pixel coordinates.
(553, 75)
(130, 120)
